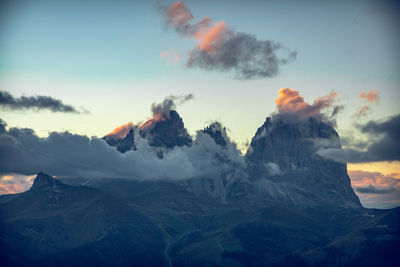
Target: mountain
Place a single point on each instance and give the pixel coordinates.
(168, 131)
(282, 159)
(279, 205)
(162, 134)
(200, 230)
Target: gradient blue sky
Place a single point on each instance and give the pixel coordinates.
(104, 56)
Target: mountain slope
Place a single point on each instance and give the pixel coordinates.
(58, 224)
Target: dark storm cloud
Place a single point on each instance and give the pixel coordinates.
(374, 190)
(383, 143)
(222, 48)
(7, 101)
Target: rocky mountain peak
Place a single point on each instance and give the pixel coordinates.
(169, 131)
(289, 144)
(218, 133)
(44, 181)
(284, 152)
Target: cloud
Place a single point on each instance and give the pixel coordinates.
(383, 143)
(66, 154)
(170, 56)
(273, 168)
(372, 96)
(291, 104)
(14, 183)
(7, 101)
(219, 47)
(375, 189)
(162, 110)
(363, 111)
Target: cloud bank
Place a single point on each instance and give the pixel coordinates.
(221, 48)
(7, 101)
(376, 190)
(66, 154)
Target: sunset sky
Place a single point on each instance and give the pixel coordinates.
(110, 60)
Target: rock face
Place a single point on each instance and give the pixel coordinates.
(169, 132)
(282, 154)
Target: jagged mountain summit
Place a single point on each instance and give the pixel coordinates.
(45, 182)
(282, 157)
(279, 205)
(164, 132)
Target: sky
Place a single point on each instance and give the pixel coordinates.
(108, 61)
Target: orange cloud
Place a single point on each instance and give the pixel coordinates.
(12, 184)
(290, 101)
(10, 189)
(372, 96)
(206, 32)
(364, 178)
(121, 131)
(212, 38)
